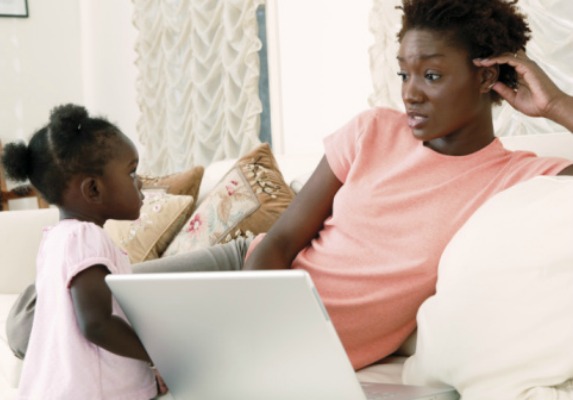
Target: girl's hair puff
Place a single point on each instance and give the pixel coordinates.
(485, 28)
(71, 143)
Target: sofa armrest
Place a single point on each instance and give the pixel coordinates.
(20, 235)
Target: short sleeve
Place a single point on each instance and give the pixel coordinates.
(525, 165)
(88, 245)
(343, 146)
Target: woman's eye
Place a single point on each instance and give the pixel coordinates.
(403, 76)
(433, 77)
(133, 175)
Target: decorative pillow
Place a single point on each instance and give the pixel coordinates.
(186, 182)
(500, 325)
(245, 202)
(161, 217)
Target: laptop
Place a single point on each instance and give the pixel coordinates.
(246, 335)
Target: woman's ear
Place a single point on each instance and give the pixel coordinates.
(489, 76)
(90, 189)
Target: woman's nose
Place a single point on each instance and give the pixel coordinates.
(411, 91)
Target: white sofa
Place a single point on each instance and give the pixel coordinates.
(20, 233)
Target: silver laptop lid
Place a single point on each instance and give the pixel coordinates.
(252, 335)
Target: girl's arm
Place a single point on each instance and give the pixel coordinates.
(92, 301)
(299, 223)
(536, 94)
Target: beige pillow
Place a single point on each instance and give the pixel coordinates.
(161, 217)
(185, 182)
(245, 202)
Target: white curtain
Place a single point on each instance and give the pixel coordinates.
(551, 46)
(198, 81)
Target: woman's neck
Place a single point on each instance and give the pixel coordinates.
(466, 140)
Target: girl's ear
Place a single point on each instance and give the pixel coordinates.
(90, 190)
(489, 76)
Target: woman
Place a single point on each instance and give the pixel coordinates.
(393, 188)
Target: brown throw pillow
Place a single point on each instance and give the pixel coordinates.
(245, 202)
(161, 217)
(185, 182)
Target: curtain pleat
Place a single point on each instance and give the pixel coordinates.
(197, 87)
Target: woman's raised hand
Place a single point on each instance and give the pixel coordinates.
(536, 95)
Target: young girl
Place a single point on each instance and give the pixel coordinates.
(81, 346)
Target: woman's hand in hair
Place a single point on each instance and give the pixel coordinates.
(536, 95)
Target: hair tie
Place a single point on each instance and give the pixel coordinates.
(79, 127)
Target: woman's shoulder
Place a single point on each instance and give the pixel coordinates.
(376, 120)
(381, 113)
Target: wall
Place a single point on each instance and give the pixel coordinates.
(108, 60)
(40, 65)
(67, 51)
(323, 68)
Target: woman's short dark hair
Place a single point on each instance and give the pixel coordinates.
(71, 143)
(485, 28)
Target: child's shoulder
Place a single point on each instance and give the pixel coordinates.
(75, 225)
(80, 240)
(73, 228)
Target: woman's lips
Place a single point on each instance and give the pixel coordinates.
(416, 121)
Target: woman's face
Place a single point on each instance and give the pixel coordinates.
(443, 94)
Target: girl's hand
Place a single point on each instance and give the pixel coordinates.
(536, 94)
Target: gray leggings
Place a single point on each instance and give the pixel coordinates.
(221, 257)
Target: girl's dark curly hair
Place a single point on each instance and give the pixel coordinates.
(485, 28)
(71, 143)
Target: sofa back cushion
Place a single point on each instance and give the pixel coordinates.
(20, 235)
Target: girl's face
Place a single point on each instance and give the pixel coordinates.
(443, 93)
(122, 188)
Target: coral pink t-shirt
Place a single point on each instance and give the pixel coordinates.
(375, 261)
(60, 362)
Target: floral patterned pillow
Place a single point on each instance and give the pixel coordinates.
(246, 201)
(161, 217)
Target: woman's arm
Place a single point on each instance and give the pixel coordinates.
(299, 223)
(536, 94)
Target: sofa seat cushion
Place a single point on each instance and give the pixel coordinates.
(388, 370)
(10, 366)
